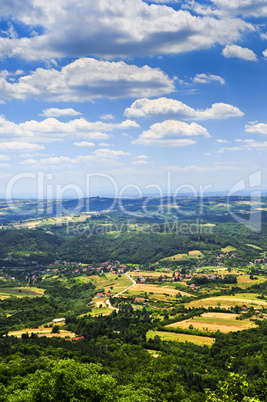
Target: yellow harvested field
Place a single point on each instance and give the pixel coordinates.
(61, 335)
(224, 271)
(195, 254)
(99, 302)
(171, 336)
(243, 281)
(246, 203)
(228, 301)
(28, 225)
(220, 315)
(158, 289)
(21, 292)
(213, 324)
(146, 274)
(42, 332)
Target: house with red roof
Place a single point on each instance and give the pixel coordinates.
(258, 261)
(78, 338)
(138, 300)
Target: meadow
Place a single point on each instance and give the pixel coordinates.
(107, 282)
(171, 336)
(247, 299)
(213, 322)
(21, 292)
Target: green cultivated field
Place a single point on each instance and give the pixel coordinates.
(98, 311)
(253, 246)
(228, 249)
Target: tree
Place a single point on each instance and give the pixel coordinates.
(234, 389)
(3, 332)
(70, 381)
(55, 329)
(66, 380)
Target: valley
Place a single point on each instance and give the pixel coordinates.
(80, 287)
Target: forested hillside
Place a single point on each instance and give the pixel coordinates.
(140, 246)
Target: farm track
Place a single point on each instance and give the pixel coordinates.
(108, 304)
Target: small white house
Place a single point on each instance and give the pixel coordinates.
(56, 320)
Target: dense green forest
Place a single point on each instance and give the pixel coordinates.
(114, 359)
(141, 246)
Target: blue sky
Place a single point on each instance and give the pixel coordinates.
(131, 97)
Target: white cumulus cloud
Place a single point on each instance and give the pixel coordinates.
(222, 141)
(54, 112)
(174, 108)
(171, 133)
(15, 145)
(84, 144)
(106, 116)
(207, 78)
(260, 128)
(51, 129)
(78, 28)
(4, 158)
(246, 8)
(29, 162)
(251, 144)
(100, 156)
(86, 79)
(139, 162)
(222, 150)
(239, 52)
